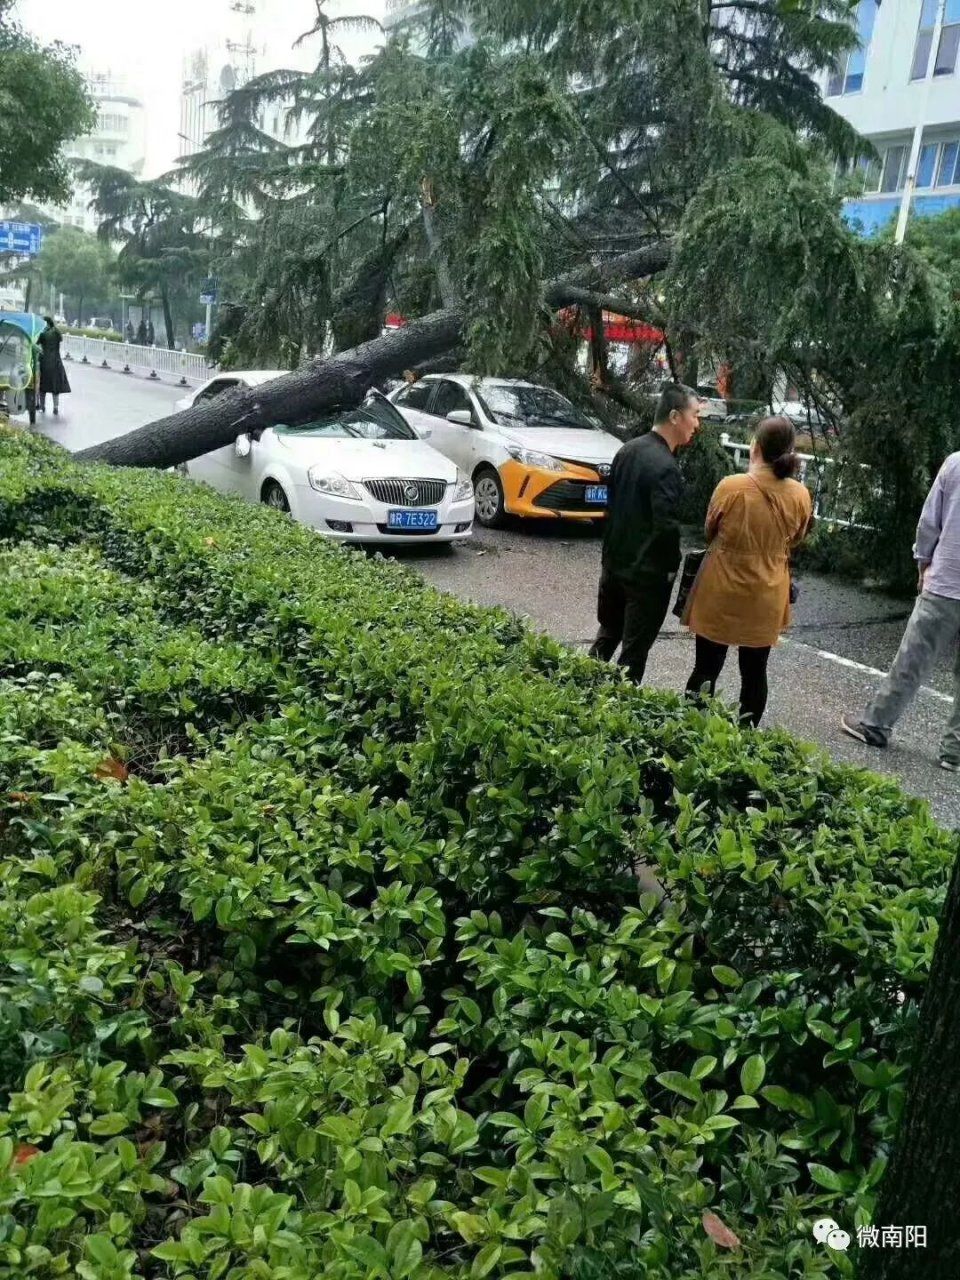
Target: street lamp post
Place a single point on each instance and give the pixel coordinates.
(910, 185)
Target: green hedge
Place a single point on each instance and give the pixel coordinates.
(352, 931)
(108, 335)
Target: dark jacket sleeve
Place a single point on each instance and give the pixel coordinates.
(665, 502)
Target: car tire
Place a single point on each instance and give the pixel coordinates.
(272, 495)
(491, 508)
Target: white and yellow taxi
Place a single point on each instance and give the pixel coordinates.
(529, 451)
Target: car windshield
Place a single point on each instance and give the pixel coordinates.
(375, 419)
(532, 406)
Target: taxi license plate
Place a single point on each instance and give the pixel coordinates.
(412, 520)
(597, 493)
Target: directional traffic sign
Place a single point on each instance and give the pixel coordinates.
(24, 238)
(209, 290)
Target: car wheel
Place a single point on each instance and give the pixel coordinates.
(273, 496)
(488, 496)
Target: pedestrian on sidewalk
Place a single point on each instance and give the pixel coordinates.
(741, 595)
(151, 336)
(129, 332)
(53, 376)
(141, 333)
(934, 625)
(641, 543)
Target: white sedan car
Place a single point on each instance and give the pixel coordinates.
(358, 475)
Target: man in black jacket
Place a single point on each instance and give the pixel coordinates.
(641, 543)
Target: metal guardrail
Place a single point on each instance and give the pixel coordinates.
(178, 366)
(822, 476)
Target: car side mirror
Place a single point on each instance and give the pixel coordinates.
(462, 417)
(424, 432)
(243, 446)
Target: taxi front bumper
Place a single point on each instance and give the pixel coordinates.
(539, 494)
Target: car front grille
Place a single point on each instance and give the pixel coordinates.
(568, 495)
(602, 469)
(407, 493)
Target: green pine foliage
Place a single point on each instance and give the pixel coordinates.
(352, 931)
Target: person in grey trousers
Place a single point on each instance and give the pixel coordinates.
(934, 624)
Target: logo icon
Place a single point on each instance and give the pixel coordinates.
(830, 1233)
(603, 471)
(411, 492)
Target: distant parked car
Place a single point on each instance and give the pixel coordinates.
(800, 414)
(529, 450)
(714, 405)
(360, 475)
(100, 322)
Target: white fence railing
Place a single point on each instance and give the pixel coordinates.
(176, 366)
(823, 477)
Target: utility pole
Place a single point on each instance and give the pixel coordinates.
(910, 184)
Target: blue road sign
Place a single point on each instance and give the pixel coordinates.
(24, 238)
(209, 290)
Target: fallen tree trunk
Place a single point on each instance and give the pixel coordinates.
(339, 382)
(298, 397)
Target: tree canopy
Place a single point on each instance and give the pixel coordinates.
(43, 104)
(162, 250)
(468, 172)
(77, 265)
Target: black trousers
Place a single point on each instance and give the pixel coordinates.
(709, 661)
(631, 617)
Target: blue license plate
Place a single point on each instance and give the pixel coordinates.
(412, 520)
(597, 493)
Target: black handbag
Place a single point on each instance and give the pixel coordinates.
(688, 576)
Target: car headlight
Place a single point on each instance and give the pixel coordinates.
(530, 458)
(332, 484)
(464, 489)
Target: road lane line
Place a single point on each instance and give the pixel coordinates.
(859, 666)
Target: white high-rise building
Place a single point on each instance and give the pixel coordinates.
(118, 139)
(211, 72)
(901, 89)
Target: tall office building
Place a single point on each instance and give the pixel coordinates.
(900, 87)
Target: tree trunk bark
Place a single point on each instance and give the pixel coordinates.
(327, 385)
(167, 318)
(294, 398)
(921, 1187)
(448, 293)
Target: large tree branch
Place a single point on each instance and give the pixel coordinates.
(647, 312)
(339, 382)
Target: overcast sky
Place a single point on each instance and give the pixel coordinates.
(146, 44)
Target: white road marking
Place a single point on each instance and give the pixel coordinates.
(859, 666)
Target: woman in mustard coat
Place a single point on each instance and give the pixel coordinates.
(742, 593)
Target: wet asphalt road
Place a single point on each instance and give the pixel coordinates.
(548, 574)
